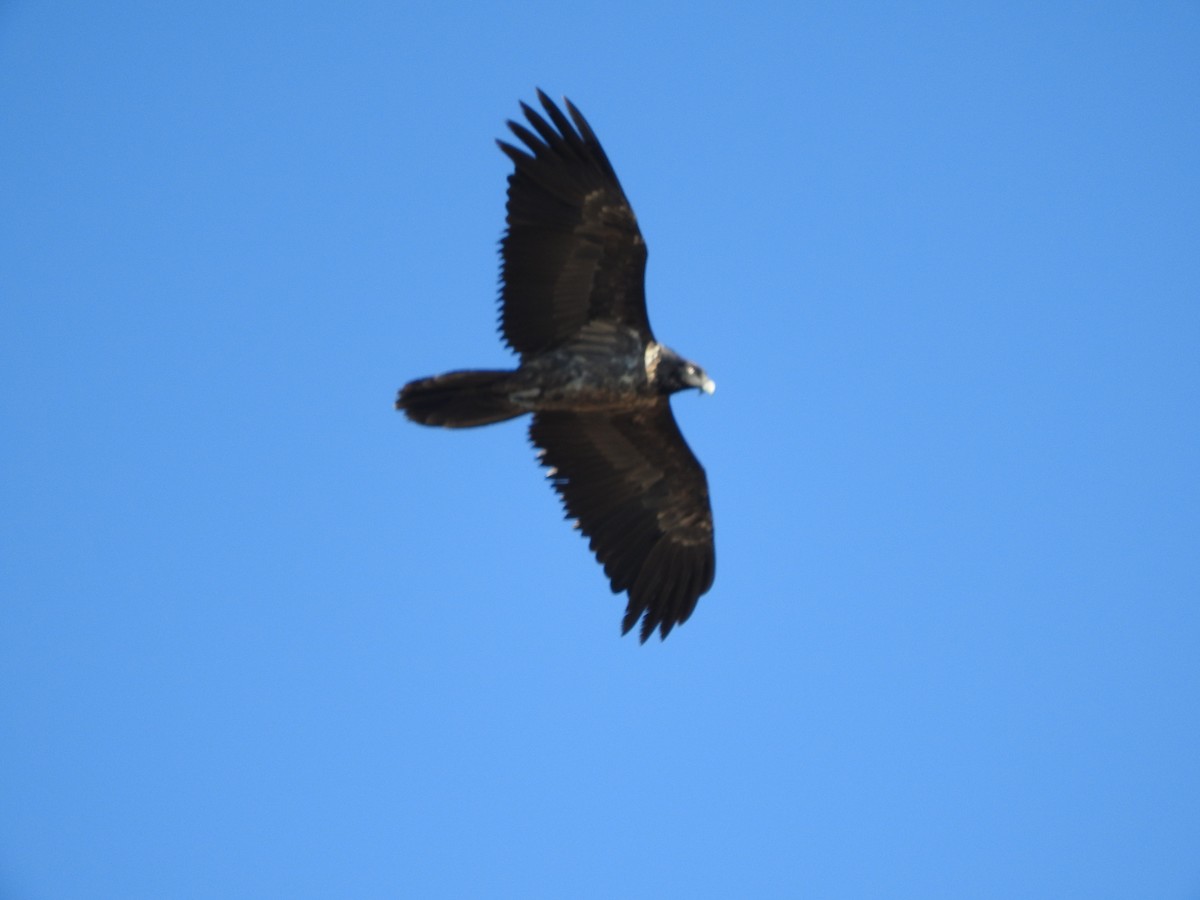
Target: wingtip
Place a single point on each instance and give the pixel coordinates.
(573, 109)
(651, 625)
(628, 622)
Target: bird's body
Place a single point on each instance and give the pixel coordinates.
(606, 367)
(591, 373)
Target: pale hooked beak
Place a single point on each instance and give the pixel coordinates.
(709, 386)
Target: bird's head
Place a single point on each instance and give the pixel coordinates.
(678, 374)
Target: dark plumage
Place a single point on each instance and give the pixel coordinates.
(573, 306)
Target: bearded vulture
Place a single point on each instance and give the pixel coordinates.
(597, 383)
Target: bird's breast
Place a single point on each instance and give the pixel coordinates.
(585, 376)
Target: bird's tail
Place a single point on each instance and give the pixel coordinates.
(459, 399)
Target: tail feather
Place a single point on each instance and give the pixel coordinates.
(458, 399)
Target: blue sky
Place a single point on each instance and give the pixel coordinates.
(261, 637)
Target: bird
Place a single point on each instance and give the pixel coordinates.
(592, 376)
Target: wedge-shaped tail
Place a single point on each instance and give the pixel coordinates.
(459, 399)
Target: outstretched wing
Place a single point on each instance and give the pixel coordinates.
(572, 252)
(639, 493)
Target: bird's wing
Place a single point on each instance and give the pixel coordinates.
(639, 493)
(572, 252)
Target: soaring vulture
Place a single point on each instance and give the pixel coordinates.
(573, 306)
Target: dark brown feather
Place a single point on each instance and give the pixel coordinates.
(641, 496)
(573, 251)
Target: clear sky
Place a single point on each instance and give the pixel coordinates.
(261, 637)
